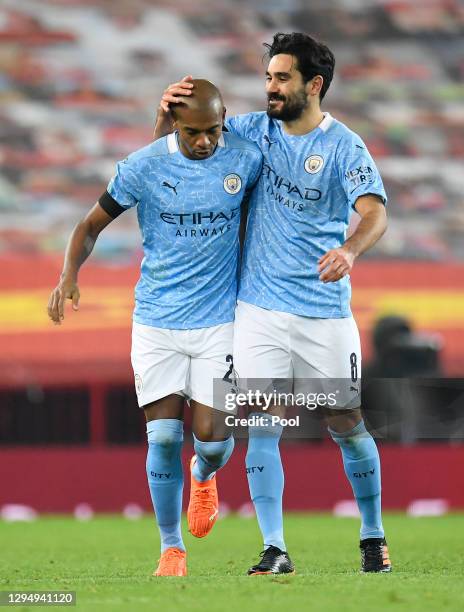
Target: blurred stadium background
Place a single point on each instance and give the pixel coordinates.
(79, 83)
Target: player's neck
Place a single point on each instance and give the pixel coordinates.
(308, 121)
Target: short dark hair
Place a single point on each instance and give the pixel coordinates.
(313, 57)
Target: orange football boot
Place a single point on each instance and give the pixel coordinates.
(203, 506)
(173, 562)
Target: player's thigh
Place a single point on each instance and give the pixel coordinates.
(326, 356)
(209, 424)
(169, 407)
(211, 365)
(159, 369)
(261, 355)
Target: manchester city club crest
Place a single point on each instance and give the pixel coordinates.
(232, 183)
(313, 164)
(138, 384)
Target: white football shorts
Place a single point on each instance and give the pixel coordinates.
(182, 361)
(295, 354)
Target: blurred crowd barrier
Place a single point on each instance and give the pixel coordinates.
(424, 480)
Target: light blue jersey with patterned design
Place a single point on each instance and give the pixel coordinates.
(299, 210)
(189, 215)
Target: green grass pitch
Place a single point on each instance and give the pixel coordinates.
(108, 561)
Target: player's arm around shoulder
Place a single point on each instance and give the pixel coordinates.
(251, 155)
(256, 165)
(248, 125)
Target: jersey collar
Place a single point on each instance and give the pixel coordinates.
(324, 125)
(173, 145)
(326, 122)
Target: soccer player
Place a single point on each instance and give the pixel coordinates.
(293, 318)
(188, 189)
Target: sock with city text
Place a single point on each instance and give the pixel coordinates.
(266, 479)
(362, 467)
(165, 478)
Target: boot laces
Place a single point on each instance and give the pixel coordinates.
(169, 560)
(203, 501)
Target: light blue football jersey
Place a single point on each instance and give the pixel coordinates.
(189, 216)
(299, 210)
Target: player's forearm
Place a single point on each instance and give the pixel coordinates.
(370, 229)
(80, 245)
(163, 125)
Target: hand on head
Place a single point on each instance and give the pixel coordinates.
(173, 92)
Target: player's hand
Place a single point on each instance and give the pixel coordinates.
(164, 122)
(335, 264)
(66, 290)
(172, 93)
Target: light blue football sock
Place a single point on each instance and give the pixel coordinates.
(266, 479)
(211, 456)
(362, 467)
(165, 478)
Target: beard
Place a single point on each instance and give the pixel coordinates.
(292, 107)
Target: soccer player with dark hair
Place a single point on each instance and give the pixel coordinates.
(293, 319)
(188, 189)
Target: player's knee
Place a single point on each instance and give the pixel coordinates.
(205, 433)
(164, 439)
(356, 443)
(342, 422)
(165, 435)
(214, 452)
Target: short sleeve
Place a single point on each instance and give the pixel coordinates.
(124, 187)
(357, 171)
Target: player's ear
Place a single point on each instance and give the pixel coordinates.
(314, 86)
(224, 110)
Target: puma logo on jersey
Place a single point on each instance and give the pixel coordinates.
(173, 187)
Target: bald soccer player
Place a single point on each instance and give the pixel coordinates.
(188, 188)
